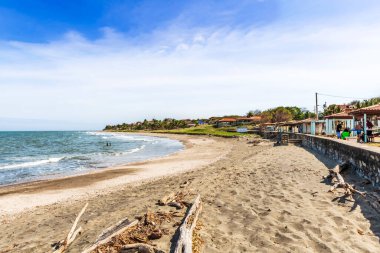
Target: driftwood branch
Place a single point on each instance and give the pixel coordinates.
(174, 199)
(62, 246)
(140, 247)
(115, 228)
(111, 232)
(185, 240)
(167, 199)
(334, 174)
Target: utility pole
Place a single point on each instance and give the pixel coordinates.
(316, 106)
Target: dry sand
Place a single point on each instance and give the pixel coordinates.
(256, 199)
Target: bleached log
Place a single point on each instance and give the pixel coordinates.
(185, 240)
(109, 233)
(334, 174)
(141, 247)
(63, 245)
(351, 190)
(111, 230)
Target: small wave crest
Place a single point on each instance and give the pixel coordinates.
(120, 136)
(134, 150)
(131, 151)
(31, 164)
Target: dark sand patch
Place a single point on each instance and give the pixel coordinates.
(76, 181)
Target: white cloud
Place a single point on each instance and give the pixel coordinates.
(186, 73)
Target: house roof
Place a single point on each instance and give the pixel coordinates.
(290, 123)
(227, 120)
(309, 120)
(253, 118)
(340, 115)
(371, 110)
(346, 108)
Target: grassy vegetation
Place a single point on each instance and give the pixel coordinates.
(204, 130)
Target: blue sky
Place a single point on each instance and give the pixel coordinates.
(83, 64)
(42, 21)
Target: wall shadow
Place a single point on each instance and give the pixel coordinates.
(369, 206)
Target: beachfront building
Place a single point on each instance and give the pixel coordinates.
(201, 122)
(268, 127)
(312, 126)
(333, 120)
(289, 126)
(225, 122)
(370, 113)
(248, 120)
(238, 121)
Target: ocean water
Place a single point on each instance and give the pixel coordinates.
(30, 156)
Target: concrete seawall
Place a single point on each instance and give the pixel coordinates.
(364, 159)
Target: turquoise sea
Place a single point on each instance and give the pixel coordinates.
(31, 156)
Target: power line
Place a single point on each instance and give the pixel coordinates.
(327, 95)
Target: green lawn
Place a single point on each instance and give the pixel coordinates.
(203, 130)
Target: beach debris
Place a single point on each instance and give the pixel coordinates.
(174, 199)
(134, 236)
(166, 199)
(156, 234)
(184, 184)
(110, 233)
(186, 230)
(139, 236)
(335, 175)
(360, 231)
(140, 247)
(255, 142)
(62, 245)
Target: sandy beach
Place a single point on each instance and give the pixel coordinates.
(256, 198)
(197, 153)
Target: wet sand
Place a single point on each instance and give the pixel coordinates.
(66, 182)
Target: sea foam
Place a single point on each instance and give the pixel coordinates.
(31, 164)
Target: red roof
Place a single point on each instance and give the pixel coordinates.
(254, 118)
(372, 110)
(340, 115)
(227, 120)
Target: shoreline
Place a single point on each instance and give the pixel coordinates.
(16, 198)
(100, 172)
(253, 197)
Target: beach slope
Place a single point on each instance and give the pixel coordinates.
(255, 199)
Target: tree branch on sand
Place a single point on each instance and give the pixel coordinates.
(185, 240)
(336, 177)
(175, 200)
(61, 246)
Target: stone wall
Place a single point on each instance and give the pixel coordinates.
(365, 160)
